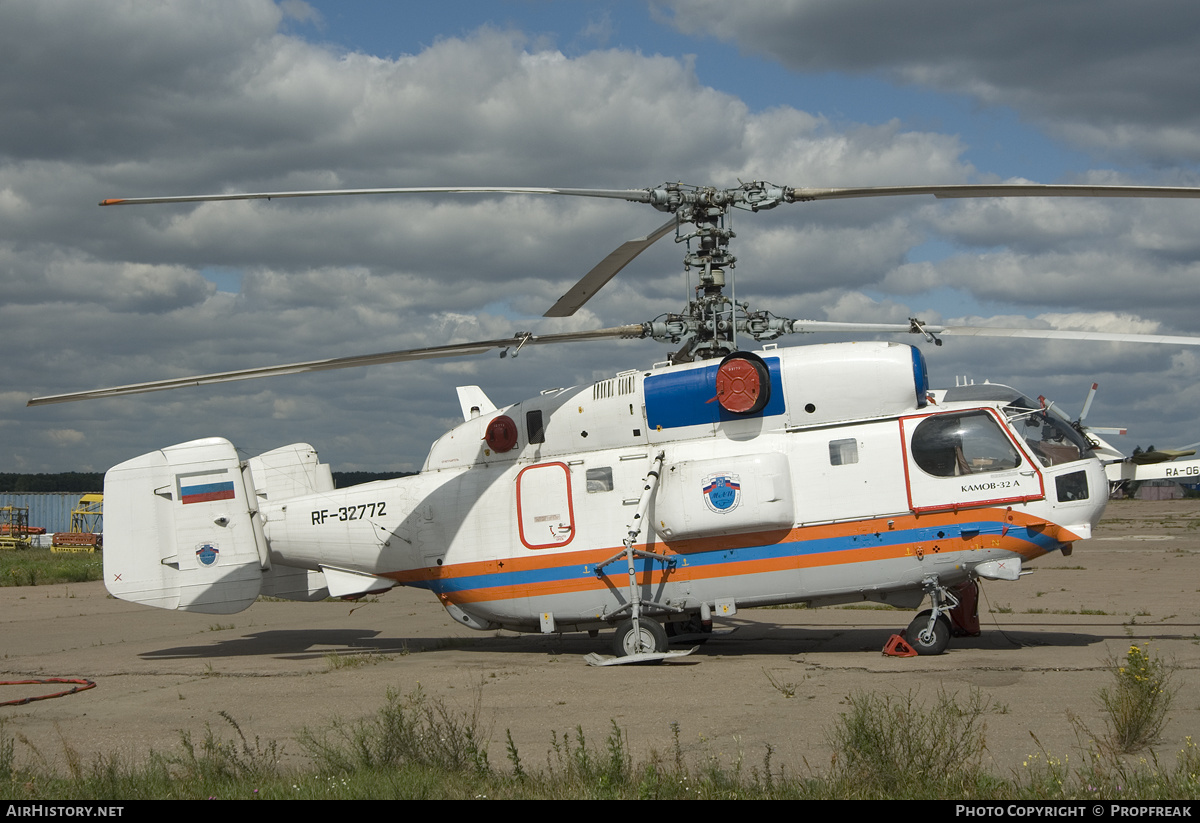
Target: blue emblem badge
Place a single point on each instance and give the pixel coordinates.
(722, 492)
(207, 554)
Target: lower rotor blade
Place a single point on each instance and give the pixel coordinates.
(1056, 334)
(452, 350)
(606, 270)
(810, 326)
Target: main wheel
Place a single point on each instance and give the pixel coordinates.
(925, 640)
(652, 636)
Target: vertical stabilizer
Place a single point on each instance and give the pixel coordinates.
(181, 532)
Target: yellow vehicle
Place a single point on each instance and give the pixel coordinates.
(85, 534)
(14, 527)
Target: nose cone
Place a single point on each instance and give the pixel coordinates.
(1079, 492)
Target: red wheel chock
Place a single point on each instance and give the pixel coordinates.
(897, 646)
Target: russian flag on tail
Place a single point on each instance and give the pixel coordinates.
(202, 487)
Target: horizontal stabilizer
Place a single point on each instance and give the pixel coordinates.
(291, 583)
(351, 584)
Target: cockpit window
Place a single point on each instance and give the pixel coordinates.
(952, 445)
(1051, 439)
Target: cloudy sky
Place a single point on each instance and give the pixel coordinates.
(132, 98)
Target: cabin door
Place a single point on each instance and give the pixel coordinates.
(545, 516)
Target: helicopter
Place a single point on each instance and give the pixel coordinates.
(735, 473)
(1151, 464)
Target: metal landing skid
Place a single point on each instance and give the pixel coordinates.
(594, 659)
(696, 637)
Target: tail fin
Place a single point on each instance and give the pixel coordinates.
(181, 531)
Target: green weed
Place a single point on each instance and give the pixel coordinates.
(7, 755)
(786, 689)
(409, 730)
(1136, 706)
(215, 759)
(891, 746)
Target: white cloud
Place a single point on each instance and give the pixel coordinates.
(190, 98)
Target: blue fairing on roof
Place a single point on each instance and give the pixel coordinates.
(920, 377)
(689, 398)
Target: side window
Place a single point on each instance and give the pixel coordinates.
(533, 426)
(952, 445)
(599, 480)
(843, 452)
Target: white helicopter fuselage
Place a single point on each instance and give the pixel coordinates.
(853, 482)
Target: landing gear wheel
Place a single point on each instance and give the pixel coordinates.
(925, 640)
(653, 637)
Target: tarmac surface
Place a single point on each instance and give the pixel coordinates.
(776, 677)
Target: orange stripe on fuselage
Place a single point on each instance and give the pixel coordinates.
(502, 570)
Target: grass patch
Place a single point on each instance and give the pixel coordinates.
(335, 661)
(42, 567)
(883, 747)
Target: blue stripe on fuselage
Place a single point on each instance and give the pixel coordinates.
(796, 548)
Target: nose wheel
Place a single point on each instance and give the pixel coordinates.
(928, 634)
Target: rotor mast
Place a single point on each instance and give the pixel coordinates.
(712, 320)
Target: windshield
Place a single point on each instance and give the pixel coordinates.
(1051, 439)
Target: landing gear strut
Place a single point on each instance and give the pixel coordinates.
(639, 638)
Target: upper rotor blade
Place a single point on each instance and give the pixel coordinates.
(661, 199)
(635, 195)
(605, 270)
(996, 190)
(452, 350)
